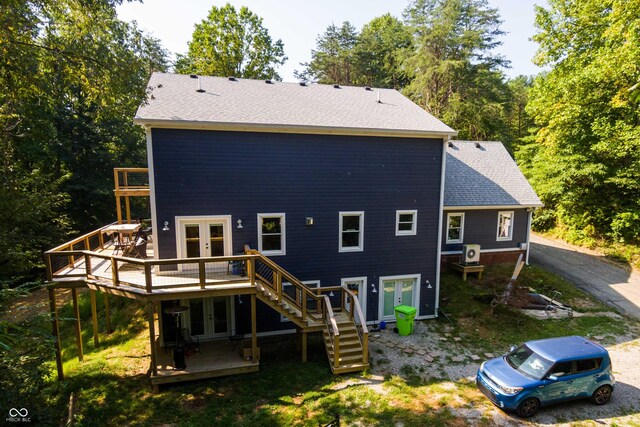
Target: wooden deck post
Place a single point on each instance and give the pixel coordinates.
(304, 346)
(78, 324)
(254, 337)
(94, 318)
(152, 337)
(56, 332)
(107, 312)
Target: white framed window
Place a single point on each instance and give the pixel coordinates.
(505, 225)
(285, 288)
(351, 236)
(406, 223)
(455, 227)
(272, 234)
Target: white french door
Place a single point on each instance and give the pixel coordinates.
(203, 236)
(357, 285)
(209, 318)
(397, 290)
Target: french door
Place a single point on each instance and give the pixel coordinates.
(397, 291)
(209, 317)
(203, 237)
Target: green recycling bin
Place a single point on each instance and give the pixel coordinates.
(404, 318)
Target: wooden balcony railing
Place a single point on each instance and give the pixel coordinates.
(129, 182)
(80, 258)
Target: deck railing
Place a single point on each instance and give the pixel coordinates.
(79, 259)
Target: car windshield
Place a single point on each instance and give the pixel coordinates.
(527, 362)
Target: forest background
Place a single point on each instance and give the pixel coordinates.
(72, 76)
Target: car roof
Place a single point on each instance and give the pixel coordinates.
(561, 348)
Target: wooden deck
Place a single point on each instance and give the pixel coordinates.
(216, 358)
(175, 283)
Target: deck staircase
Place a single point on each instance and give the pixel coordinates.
(343, 327)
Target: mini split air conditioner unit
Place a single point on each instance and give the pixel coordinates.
(471, 254)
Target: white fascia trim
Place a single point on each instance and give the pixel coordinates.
(152, 194)
(483, 251)
(283, 229)
(299, 129)
(490, 207)
(360, 247)
(445, 141)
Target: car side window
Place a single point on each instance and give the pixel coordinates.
(588, 364)
(562, 369)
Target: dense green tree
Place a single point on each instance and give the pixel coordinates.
(71, 78)
(378, 50)
(454, 73)
(333, 59)
(229, 43)
(585, 160)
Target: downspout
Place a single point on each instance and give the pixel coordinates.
(445, 141)
(530, 212)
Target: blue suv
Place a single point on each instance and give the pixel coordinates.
(547, 371)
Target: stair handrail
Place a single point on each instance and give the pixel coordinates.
(332, 329)
(361, 323)
(303, 290)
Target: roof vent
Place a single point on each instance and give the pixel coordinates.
(478, 145)
(303, 84)
(200, 90)
(232, 79)
(193, 76)
(450, 144)
(159, 85)
(367, 88)
(268, 82)
(379, 102)
(336, 86)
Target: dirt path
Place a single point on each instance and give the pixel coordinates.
(588, 270)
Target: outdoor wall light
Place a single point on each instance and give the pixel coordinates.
(166, 226)
(429, 285)
(308, 220)
(239, 299)
(331, 294)
(240, 224)
(373, 289)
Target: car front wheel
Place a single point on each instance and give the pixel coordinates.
(601, 395)
(528, 407)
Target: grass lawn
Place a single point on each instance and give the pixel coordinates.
(113, 388)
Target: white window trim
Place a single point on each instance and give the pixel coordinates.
(309, 283)
(360, 246)
(449, 215)
(363, 296)
(283, 229)
(416, 293)
(414, 224)
(510, 237)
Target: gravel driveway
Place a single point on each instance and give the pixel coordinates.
(591, 272)
(432, 351)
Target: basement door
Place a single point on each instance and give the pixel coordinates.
(209, 318)
(397, 290)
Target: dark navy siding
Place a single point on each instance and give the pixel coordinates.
(243, 174)
(481, 227)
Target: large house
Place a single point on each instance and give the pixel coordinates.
(280, 207)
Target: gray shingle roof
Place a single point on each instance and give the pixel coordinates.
(255, 104)
(485, 176)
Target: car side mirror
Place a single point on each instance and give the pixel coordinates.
(513, 347)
